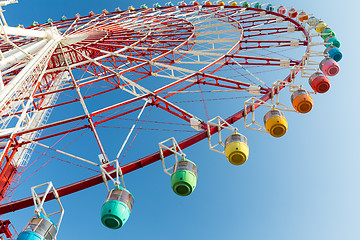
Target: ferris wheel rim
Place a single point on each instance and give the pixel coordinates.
(12, 206)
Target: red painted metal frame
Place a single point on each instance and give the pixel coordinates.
(7, 229)
(79, 53)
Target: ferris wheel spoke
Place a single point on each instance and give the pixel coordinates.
(258, 23)
(128, 58)
(172, 108)
(150, 21)
(243, 59)
(187, 15)
(85, 108)
(89, 118)
(119, 75)
(63, 152)
(218, 40)
(84, 57)
(205, 33)
(97, 62)
(158, 101)
(114, 48)
(95, 23)
(212, 81)
(214, 25)
(250, 73)
(200, 78)
(207, 18)
(69, 28)
(270, 30)
(261, 44)
(192, 16)
(75, 121)
(253, 60)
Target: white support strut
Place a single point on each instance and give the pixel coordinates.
(6, 30)
(11, 87)
(18, 55)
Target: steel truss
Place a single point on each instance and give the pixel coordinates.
(185, 47)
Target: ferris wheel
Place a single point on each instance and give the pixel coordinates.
(110, 93)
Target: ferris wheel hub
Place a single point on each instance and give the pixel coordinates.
(75, 38)
(72, 39)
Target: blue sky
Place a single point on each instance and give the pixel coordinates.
(304, 185)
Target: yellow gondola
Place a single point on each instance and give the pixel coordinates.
(236, 149)
(234, 4)
(275, 123)
(320, 26)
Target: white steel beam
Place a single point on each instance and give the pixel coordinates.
(14, 85)
(6, 30)
(15, 56)
(7, 2)
(217, 32)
